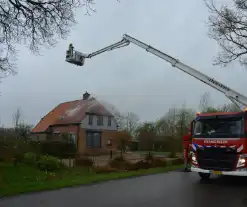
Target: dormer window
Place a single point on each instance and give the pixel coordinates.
(90, 119)
(99, 120)
(109, 120)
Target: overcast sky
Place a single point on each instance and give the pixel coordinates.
(130, 78)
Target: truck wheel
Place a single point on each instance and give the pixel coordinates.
(204, 176)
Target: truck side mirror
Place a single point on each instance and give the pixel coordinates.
(245, 129)
(192, 124)
(186, 137)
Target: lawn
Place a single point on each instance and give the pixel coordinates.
(20, 179)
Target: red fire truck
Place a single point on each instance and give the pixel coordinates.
(219, 144)
(219, 140)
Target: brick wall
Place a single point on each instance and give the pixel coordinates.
(64, 129)
(105, 149)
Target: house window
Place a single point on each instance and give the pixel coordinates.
(72, 138)
(109, 142)
(100, 120)
(109, 120)
(93, 139)
(90, 120)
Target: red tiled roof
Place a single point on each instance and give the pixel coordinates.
(52, 116)
(77, 112)
(70, 112)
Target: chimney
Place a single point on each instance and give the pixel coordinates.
(86, 95)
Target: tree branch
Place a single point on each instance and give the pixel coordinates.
(34, 24)
(228, 26)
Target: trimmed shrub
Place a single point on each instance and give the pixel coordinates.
(132, 167)
(83, 162)
(178, 161)
(157, 162)
(149, 157)
(59, 149)
(172, 154)
(142, 165)
(49, 163)
(105, 169)
(117, 164)
(119, 158)
(120, 163)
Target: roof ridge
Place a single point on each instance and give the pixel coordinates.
(68, 102)
(104, 107)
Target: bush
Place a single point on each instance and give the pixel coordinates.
(172, 154)
(149, 157)
(119, 163)
(83, 162)
(141, 165)
(132, 167)
(119, 158)
(30, 158)
(146, 164)
(14, 149)
(59, 149)
(105, 169)
(18, 158)
(134, 146)
(178, 161)
(49, 163)
(116, 164)
(157, 162)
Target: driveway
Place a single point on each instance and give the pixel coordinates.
(174, 189)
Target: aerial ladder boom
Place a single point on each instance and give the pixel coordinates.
(78, 58)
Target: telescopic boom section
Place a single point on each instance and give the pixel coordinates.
(234, 96)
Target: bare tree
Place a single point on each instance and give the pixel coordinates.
(119, 118)
(131, 121)
(17, 117)
(172, 118)
(231, 107)
(205, 101)
(34, 24)
(228, 26)
(184, 117)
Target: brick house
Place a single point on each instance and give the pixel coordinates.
(89, 123)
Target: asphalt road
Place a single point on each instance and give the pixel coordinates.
(172, 189)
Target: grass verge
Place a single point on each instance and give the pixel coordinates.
(23, 179)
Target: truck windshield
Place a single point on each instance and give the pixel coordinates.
(219, 128)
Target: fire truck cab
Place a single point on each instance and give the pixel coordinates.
(219, 144)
